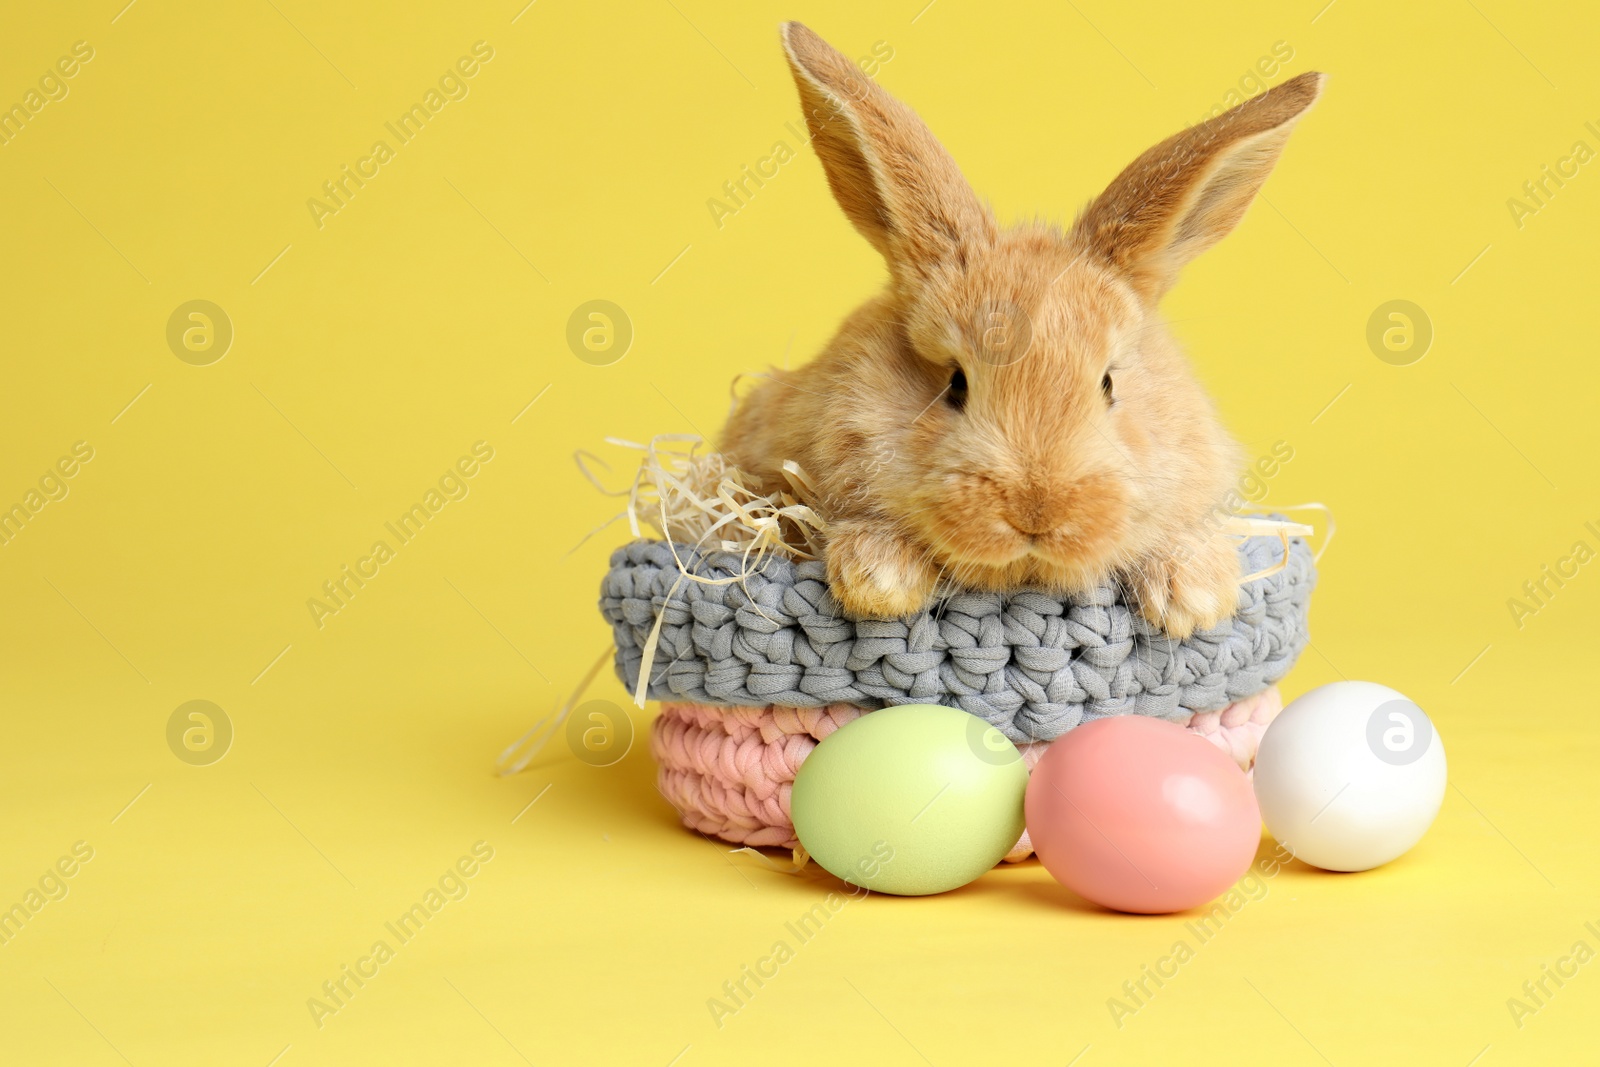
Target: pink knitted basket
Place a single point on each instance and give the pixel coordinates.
(729, 770)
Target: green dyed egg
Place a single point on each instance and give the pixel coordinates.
(911, 800)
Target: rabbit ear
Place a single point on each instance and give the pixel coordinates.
(894, 181)
(1185, 194)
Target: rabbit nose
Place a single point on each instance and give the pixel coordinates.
(1030, 530)
(1036, 504)
(1033, 518)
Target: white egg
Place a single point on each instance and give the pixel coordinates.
(1350, 776)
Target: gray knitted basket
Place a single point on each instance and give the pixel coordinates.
(1033, 664)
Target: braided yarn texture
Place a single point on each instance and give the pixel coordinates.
(729, 771)
(1032, 664)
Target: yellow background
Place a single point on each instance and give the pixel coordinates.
(426, 315)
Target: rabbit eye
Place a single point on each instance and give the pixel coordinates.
(1106, 388)
(956, 393)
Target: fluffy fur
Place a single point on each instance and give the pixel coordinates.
(1011, 410)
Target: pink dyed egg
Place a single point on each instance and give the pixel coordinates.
(1140, 815)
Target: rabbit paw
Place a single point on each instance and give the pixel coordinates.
(877, 573)
(1192, 587)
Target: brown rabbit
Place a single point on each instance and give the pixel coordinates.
(1011, 410)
